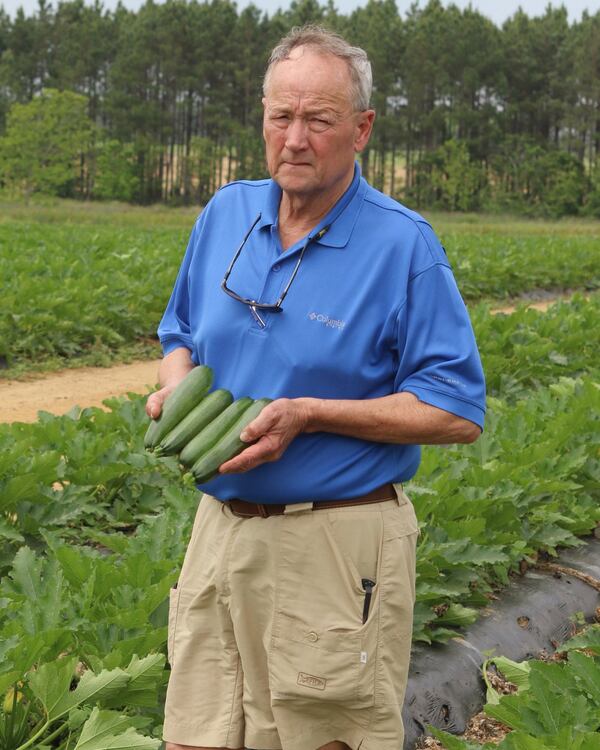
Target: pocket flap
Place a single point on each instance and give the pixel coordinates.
(317, 636)
(402, 523)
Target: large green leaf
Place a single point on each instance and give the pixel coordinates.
(93, 688)
(107, 730)
(587, 671)
(50, 683)
(145, 680)
(589, 639)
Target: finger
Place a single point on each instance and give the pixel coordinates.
(150, 406)
(249, 458)
(154, 405)
(258, 427)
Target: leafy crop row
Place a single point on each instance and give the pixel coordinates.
(530, 349)
(531, 482)
(556, 706)
(93, 530)
(497, 266)
(91, 293)
(82, 289)
(104, 601)
(83, 473)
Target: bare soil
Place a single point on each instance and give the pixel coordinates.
(20, 401)
(58, 392)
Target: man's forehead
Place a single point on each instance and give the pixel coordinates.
(311, 79)
(306, 100)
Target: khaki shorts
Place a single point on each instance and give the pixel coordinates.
(267, 645)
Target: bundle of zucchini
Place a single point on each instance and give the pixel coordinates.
(204, 428)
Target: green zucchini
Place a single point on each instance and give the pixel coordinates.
(209, 408)
(209, 436)
(178, 403)
(228, 446)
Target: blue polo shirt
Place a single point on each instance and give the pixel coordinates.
(373, 310)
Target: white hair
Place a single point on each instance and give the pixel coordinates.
(324, 41)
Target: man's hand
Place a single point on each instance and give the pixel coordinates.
(155, 401)
(172, 370)
(273, 430)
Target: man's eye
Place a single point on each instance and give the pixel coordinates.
(318, 123)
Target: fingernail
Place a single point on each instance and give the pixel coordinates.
(244, 436)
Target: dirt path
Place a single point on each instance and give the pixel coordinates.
(542, 305)
(20, 401)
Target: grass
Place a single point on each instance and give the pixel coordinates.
(49, 210)
(59, 211)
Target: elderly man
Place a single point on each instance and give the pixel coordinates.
(290, 627)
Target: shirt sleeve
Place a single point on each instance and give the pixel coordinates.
(174, 329)
(438, 358)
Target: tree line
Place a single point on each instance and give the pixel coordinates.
(164, 103)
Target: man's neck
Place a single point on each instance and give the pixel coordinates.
(299, 213)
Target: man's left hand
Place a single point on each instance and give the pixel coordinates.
(270, 434)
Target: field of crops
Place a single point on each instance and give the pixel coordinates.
(93, 528)
(91, 290)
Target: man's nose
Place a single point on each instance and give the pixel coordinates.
(295, 136)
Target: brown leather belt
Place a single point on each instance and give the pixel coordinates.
(246, 509)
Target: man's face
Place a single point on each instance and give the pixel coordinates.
(311, 130)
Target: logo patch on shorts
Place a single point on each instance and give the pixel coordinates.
(309, 680)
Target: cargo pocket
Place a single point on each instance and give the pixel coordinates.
(173, 606)
(321, 650)
(336, 666)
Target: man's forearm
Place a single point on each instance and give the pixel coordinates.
(398, 418)
(174, 367)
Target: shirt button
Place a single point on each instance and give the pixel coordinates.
(276, 267)
(312, 636)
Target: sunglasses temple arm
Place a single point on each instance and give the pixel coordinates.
(256, 316)
(239, 250)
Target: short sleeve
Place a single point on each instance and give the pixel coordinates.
(174, 329)
(438, 358)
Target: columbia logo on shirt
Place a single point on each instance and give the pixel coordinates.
(326, 320)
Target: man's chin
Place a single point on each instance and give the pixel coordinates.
(295, 185)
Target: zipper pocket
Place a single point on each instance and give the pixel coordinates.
(368, 586)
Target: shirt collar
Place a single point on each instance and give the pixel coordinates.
(340, 219)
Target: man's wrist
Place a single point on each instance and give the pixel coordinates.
(310, 410)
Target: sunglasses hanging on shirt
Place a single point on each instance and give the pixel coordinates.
(254, 305)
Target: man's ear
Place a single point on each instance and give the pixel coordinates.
(364, 128)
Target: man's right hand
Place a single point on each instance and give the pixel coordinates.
(172, 370)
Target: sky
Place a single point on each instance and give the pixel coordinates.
(497, 10)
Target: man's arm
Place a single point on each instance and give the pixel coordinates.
(398, 418)
(171, 371)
